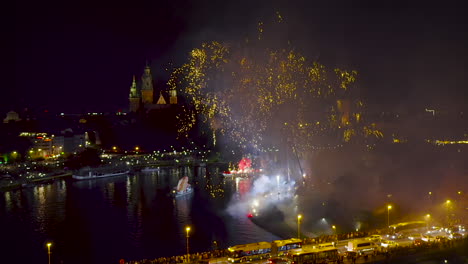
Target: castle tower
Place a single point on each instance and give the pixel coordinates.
(134, 97)
(173, 96)
(147, 86)
(161, 99)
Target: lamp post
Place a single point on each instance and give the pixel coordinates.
(447, 203)
(334, 229)
(48, 250)
(428, 217)
(388, 215)
(187, 229)
(299, 217)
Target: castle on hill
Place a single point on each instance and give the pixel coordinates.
(142, 94)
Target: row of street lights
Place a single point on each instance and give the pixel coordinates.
(389, 207)
(448, 204)
(187, 230)
(299, 218)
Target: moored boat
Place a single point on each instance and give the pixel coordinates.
(100, 172)
(150, 169)
(227, 174)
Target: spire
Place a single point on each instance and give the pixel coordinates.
(161, 99)
(133, 89)
(147, 69)
(134, 98)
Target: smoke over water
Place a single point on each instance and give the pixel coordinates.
(266, 196)
(264, 192)
(302, 116)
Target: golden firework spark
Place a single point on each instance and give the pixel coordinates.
(254, 96)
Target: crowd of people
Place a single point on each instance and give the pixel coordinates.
(390, 253)
(191, 258)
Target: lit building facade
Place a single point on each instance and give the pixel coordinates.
(11, 116)
(141, 96)
(46, 145)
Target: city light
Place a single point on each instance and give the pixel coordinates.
(428, 218)
(48, 250)
(299, 217)
(389, 207)
(187, 229)
(243, 82)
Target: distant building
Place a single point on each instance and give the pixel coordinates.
(134, 97)
(142, 94)
(11, 116)
(46, 145)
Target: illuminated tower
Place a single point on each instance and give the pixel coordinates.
(173, 96)
(147, 86)
(134, 97)
(161, 99)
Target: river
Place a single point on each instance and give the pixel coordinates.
(124, 217)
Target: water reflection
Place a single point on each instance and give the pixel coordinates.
(131, 217)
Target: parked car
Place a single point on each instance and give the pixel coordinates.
(388, 244)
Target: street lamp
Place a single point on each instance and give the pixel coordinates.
(334, 229)
(48, 250)
(388, 215)
(187, 229)
(428, 217)
(447, 203)
(299, 217)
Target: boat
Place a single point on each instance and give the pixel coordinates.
(227, 174)
(150, 169)
(183, 188)
(239, 174)
(100, 172)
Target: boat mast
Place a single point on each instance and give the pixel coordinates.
(298, 161)
(287, 162)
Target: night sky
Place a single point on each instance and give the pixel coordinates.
(79, 56)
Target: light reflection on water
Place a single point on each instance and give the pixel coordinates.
(130, 217)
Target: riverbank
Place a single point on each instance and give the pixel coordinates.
(17, 184)
(41, 178)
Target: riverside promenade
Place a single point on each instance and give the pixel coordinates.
(445, 251)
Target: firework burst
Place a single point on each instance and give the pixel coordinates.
(254, 96)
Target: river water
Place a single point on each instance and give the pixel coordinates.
(124, 217)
